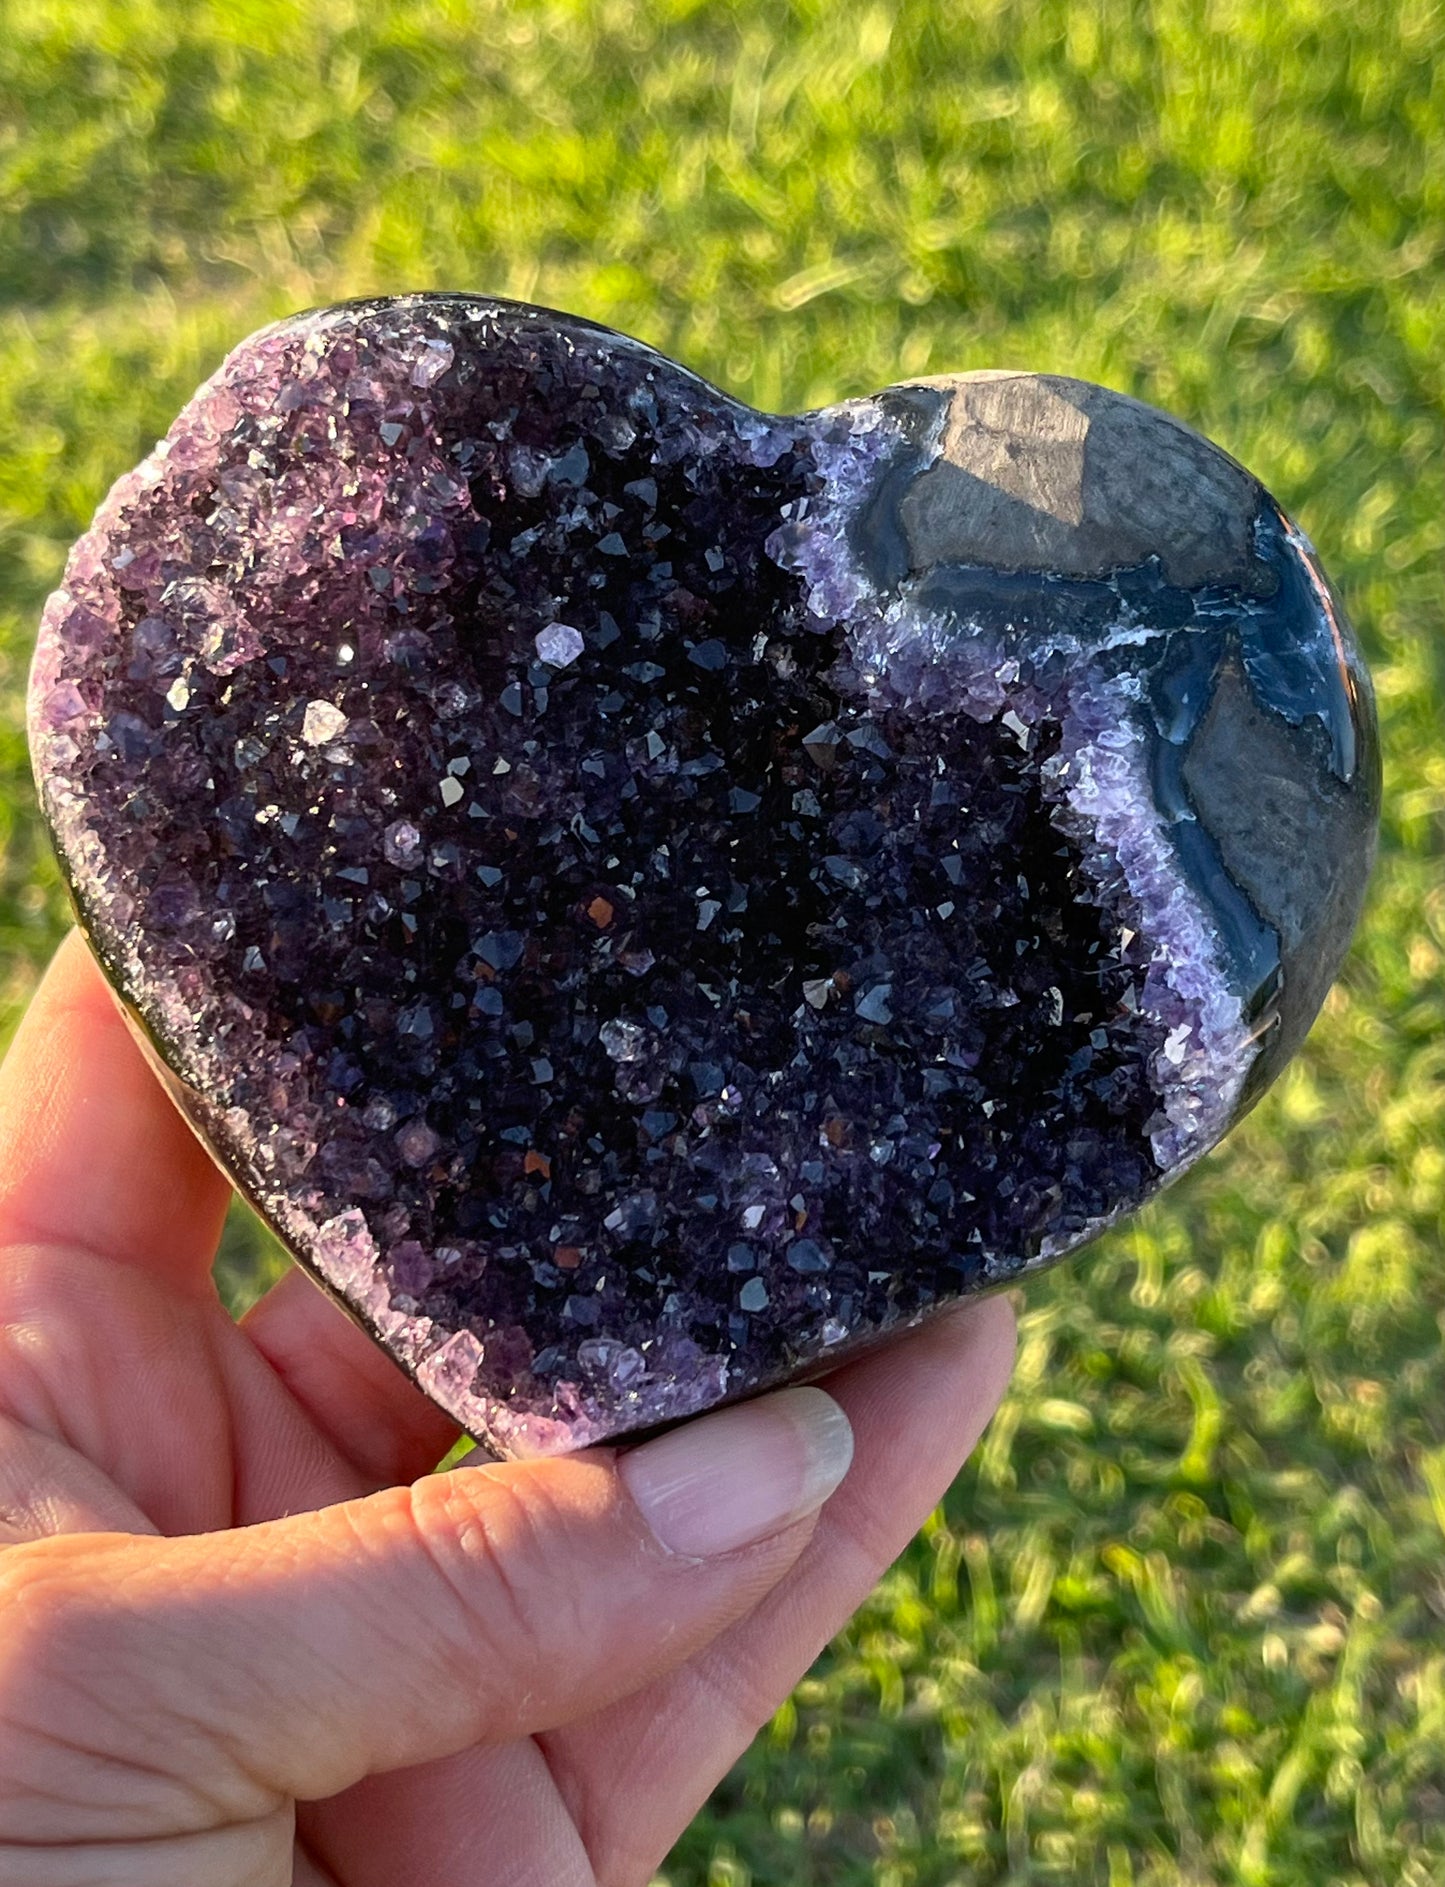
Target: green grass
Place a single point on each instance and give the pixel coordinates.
(1183, 1619)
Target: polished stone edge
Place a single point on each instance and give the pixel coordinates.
(1037, 471)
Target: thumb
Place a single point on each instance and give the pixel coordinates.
(294, 1657)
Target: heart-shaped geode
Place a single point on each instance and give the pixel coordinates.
(645, 895)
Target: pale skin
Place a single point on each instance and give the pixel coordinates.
(248, 1638)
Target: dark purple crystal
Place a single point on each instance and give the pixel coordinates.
(646, 895)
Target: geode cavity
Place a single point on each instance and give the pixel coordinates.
(645, 895)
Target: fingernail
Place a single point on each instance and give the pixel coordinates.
(740, 1475)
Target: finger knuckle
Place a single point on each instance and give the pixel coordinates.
(47, 1616)
(496, 1549)
(44, 1607)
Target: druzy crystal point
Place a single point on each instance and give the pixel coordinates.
(645, 895)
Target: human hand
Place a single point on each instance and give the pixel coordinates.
(247, 1639)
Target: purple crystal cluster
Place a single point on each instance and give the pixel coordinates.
(645, 896)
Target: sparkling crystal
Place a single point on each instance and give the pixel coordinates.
(560, 644)
(321, 723)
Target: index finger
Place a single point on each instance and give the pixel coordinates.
(93, 1154)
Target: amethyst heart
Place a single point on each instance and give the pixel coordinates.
(645, 895)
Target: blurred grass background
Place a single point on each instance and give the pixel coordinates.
(1183, 1618)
